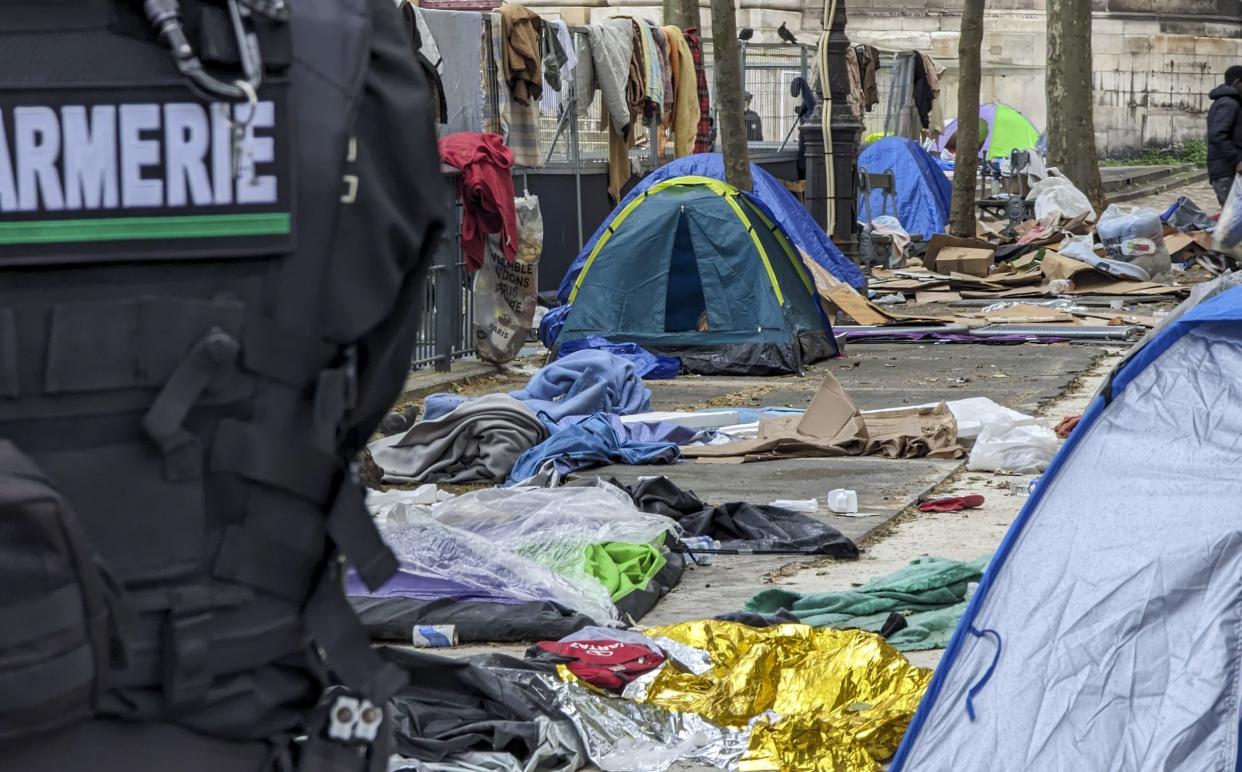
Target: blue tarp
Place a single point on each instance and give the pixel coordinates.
(924, 194)
(769, 195)
(551, 324)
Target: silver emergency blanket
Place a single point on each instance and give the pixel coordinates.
(624, 736)
(1110, 639)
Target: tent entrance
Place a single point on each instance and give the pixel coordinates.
(684, 303)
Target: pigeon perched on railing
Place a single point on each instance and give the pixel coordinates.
(785, 34)
(746, 34)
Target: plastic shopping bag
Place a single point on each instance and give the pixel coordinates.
(1227, 238)
(1018, 446)
(506, 293)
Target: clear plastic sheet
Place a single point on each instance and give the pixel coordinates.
(625, 736)
(529, 542)
(553, 526)
(427, 548)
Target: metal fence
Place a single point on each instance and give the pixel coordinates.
(575, 140)
(768, 71)
(446, 323)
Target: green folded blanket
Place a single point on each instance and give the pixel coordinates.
(930, 592)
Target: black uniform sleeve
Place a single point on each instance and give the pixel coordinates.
(394, 209)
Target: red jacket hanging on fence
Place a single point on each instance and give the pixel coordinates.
(486, 191)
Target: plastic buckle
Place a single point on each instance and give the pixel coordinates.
(354, 720)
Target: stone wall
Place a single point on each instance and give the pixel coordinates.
(1152, 76)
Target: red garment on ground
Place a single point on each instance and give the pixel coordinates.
(486, 192)
(606, 664)
(952, 503)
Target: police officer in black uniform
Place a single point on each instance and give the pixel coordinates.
(215, 221)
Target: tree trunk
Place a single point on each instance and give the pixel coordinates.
(730, 115)
(966, 159)
(1071, 124)
(682, 13)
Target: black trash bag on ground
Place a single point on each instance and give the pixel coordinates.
(392, 619)
(453, 706)
(739, 525)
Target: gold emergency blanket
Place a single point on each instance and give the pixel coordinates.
(842, 698)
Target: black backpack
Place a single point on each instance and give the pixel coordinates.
(60, 616)
(206, 308)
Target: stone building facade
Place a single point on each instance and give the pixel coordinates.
(1155, 60)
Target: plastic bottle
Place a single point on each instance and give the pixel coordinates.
(1061, 286)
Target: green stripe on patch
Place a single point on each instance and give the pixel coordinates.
(145, 228)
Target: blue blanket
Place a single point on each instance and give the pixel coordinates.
(596, 440)
(582, 383)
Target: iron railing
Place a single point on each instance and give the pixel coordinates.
(572, 141)
(446, 323)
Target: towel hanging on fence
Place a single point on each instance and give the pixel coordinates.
(554, 96)
(703, 139)
(685, 88)
(459, 40)
(520, 31)
(427, 55)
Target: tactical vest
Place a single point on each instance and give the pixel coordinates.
(203, 309)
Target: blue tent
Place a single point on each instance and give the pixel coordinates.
(1107, 630)
(769, 195)
(923, 192)
(691, 268)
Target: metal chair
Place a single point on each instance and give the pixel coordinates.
(1012, 205)
(873, 248)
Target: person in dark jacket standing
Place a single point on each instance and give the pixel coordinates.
(1225, 133)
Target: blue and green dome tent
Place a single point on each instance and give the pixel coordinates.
(692, 268)
(768, 194)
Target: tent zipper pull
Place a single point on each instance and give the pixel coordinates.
(987, 675)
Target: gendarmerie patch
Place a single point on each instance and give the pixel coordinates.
(101, 174)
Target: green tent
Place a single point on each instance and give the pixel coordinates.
(694, 269)
(1008, 130)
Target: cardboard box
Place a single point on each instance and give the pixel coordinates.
(943, 241)
(965, 260)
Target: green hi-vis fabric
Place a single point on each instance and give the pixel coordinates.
(623, 568)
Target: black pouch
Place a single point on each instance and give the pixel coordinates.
(59, 610)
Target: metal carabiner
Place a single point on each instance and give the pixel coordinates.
(165, 17)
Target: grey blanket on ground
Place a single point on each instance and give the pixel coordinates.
(479, 441)
(612, 47)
